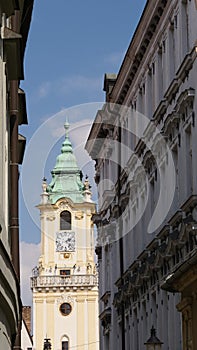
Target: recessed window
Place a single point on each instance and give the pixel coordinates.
(65, 345)
(65, 272)
(65, 309)
(65, 220)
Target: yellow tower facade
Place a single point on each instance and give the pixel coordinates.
(65, 282)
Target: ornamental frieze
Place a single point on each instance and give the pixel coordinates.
(158, 264)
(63, 205)
(50, 217)
(126, 289)
(144, 271)
(79, 215)
(65, 299)
(117, 298)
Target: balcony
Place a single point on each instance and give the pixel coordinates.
(71, 281)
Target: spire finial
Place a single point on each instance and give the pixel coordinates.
(44, 184)
(87, 193)
(44, 195)
(66, 126)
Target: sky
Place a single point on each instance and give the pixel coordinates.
(70, 47)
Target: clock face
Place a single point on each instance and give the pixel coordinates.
(65, 242)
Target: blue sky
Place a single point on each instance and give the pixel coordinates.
(71, 45)
(72, 41)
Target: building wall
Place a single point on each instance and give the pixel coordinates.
(151, 123)
(12, 21)
(26, 341)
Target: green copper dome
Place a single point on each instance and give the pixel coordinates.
(66, 176)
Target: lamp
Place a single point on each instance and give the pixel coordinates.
(153, 343)
(47, 344)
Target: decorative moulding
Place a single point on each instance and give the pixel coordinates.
(50, 217)
(79, 215)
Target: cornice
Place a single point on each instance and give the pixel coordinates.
(137, 48)
(64, 203)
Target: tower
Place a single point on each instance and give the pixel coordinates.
(64, 284)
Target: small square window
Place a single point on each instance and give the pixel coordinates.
(65, 272)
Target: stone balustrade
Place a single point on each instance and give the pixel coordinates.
(64, 281)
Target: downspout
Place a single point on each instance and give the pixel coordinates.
(14, 174)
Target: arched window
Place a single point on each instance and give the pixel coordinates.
(65, 343)
(65, 220)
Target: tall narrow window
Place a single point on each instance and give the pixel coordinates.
(149, 94)
(65, 343)
(136, 330)
(189, 177)
(65, 220)
(171, 52)
(159, 80)
(183, 29)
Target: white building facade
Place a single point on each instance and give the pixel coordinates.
(65, 282)
(144, 144)
(26, 339)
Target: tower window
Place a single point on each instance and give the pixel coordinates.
(65, 309)
(65, 272)
(65, 220)
(65, 345)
